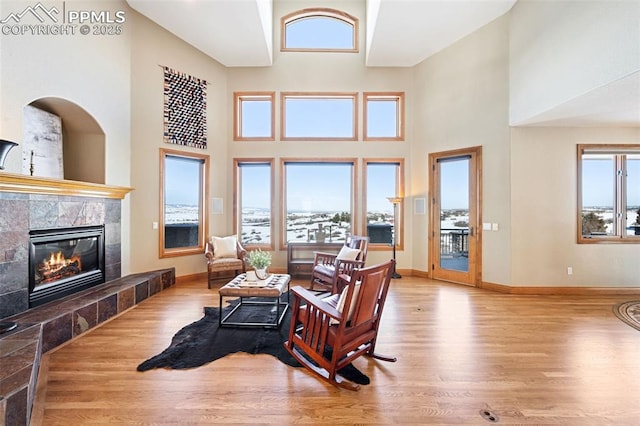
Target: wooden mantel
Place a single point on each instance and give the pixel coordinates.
(41, 185)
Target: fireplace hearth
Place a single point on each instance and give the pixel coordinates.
(63, 261)
(29, 203)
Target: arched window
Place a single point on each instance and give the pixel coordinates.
(319, 29)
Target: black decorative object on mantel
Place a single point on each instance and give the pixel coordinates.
(5, 147)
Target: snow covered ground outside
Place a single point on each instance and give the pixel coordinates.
(302, 226)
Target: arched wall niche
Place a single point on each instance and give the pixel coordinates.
(83, 140)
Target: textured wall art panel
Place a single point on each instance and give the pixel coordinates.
(185, 109)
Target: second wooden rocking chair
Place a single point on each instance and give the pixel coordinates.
(328, 266)
(327, 334)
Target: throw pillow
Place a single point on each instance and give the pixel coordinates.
(343, 300)
(348, 253)
(224, 247)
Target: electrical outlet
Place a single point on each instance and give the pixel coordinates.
(494, 226)
(569, 270)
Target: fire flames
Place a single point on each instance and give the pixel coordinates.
(57, 267)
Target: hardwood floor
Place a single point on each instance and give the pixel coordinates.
(528, 359)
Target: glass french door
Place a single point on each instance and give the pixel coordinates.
(455, 238)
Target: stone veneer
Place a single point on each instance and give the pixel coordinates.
(46, 327)
(20, 213)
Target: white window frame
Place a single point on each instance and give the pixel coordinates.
(619, 177)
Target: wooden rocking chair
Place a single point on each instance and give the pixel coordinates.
(328, 266)
(327, 334)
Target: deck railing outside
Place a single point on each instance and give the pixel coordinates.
(454, 242)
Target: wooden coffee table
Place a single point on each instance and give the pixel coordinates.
(262, 292)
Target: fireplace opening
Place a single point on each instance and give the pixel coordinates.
(64, 261)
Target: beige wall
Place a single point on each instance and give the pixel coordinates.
(561, 50)
(84, 156)
(544, 212)
(461, 100)
(153, 47)
(457, 98)
(330, 72)
(91, 71)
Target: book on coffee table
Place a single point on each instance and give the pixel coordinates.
(255, 283)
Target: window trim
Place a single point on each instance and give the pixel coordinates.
(399, 193)
(237, 162)
(238, 98)
(317, 95)
(319, 12)
(620, 193)
(203, 215)
(400, 114)
(283, 190)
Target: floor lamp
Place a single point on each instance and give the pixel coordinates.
(395, 201)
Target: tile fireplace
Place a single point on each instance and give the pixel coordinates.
(31, 205)
(63, 261)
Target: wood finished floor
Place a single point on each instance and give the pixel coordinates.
(552, 360)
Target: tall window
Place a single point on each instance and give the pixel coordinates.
(384, 179)
(253, 188)
(319, 29)
(319, 116)
(609, 193)
(383, 116)
(253, 116)
(318, 200)
(183, 195)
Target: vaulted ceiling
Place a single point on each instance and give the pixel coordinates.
(240, 33)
